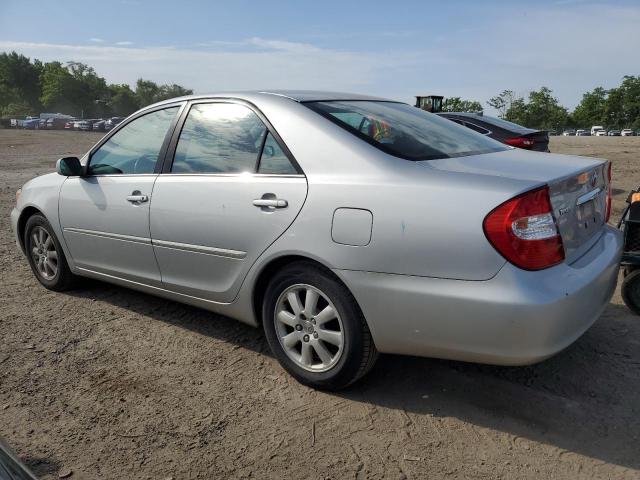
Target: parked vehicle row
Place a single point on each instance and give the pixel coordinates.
(66, 122)
(599, 131)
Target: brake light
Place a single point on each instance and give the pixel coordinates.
(609, 192)
(524, 231)
(520, 142)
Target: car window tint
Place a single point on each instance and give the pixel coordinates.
(274, 160)
(405, 131)
(219, 138)
(135, 147)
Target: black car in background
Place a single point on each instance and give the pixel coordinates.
(99, 126)
(502, 130)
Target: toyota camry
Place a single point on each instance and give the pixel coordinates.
(343, 225)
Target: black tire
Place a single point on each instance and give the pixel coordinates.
(63, 279)
(359, 352)
(631, 291)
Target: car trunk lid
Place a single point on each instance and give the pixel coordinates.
(578, 188)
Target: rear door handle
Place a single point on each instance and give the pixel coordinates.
(137, 197)
(272, 203)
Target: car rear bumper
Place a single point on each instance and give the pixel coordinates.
(516, 318)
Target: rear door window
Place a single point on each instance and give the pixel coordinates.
(273, 159)
(219, 138)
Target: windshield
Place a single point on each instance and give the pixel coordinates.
(405, 131)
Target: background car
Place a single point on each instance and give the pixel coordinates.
(601, 133)
(112, 122)
(627, 132)
(87, 124)
(569, 133)
(98, 126)
(502, 130)
(613, 133)
(31, 123)
(582, 133)
(595, 129)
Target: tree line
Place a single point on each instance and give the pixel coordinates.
(30, 87)
(617, 107)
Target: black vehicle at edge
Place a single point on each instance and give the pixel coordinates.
(502, 130)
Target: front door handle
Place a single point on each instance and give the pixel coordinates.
(137, 197)
(270, 203)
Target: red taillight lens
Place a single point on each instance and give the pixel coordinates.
(520, 142)
(608, 212)
(524, 231)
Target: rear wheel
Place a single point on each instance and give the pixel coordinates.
(631, 291)
(45, 255)
(315, 328)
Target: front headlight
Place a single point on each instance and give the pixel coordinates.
(18, 193)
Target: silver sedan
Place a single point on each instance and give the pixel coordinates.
(344, 225)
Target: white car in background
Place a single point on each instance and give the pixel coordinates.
(627, 132)
(595, 129)
(601, 133)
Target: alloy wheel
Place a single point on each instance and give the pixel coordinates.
(309, 328)
(44, 254)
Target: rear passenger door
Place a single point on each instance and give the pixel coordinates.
(229, 191)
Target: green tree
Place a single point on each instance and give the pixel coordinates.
(591, 109)
(19, 81)
(630, 88)
(146, 92)
(502, 102)
(58, 89)
(456, 104)
(544, 111)
(122, 100)
(171, 91)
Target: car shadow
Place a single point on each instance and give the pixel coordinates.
(584, 400)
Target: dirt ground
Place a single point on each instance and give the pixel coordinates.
(112, 383)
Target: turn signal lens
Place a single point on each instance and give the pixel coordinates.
(18, 193)
(524, 231)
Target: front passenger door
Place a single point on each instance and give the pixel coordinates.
(105, 214)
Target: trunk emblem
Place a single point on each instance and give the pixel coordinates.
(564, 211)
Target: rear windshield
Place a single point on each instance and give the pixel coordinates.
(405, 131)
(507, 125)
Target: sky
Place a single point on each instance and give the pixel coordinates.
(395, 49)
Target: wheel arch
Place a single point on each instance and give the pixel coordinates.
(25, 215)
(276, 264)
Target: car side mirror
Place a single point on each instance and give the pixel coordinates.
(69, 167)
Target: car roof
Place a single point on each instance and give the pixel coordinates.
(294, 95)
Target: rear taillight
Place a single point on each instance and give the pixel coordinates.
(520, 142)
(608, 213)
(524, 231)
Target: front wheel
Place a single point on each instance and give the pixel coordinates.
(45, 255)
(315, 328)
